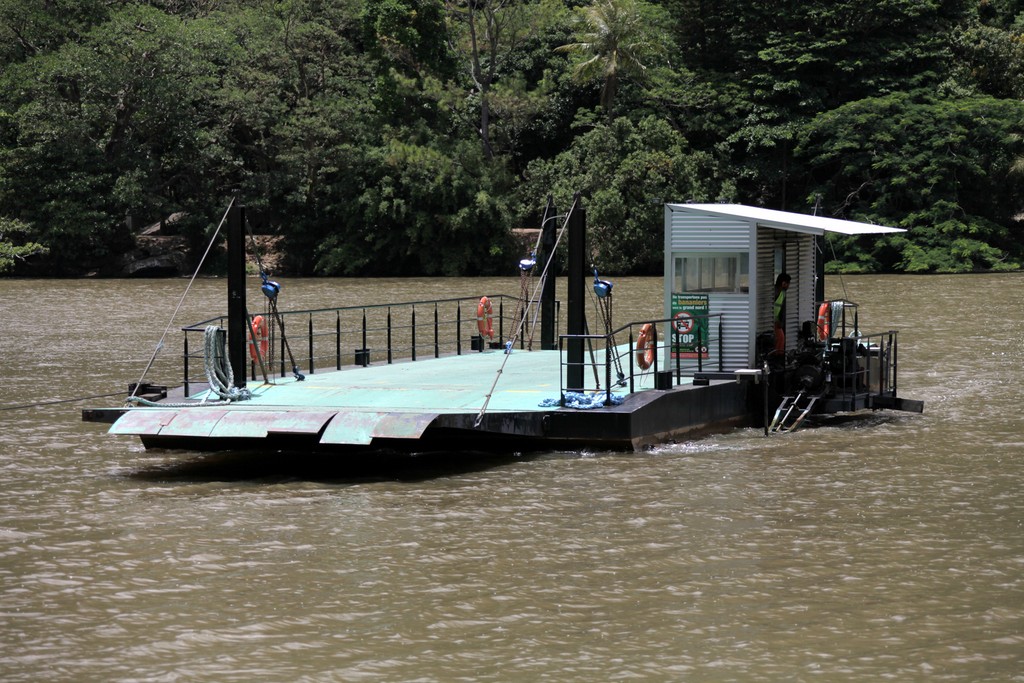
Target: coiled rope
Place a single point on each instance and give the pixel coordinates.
(218, 373)
(160, 344)
(583, 401)
(218, 370)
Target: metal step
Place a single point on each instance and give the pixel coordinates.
(790, 414)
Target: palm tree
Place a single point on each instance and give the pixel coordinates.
(614, 39)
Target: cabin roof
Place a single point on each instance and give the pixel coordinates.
(784, 220)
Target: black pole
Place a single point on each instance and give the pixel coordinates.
(185, 362)
(390, 352)
(576, 320)
(312, 364)
(412, 326)
(236, 294)
(549, 228)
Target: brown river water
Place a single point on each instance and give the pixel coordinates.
(887, 547)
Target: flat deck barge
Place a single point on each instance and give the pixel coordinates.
(705, 366)
(435, 404)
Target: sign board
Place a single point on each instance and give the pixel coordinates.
(690, 325)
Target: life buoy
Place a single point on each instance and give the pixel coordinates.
(824, 321)
(259, 334)
(485, 318)
(645, 344)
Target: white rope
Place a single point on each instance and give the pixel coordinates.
(218, 373)
(519, 327)
(218, 370)
(160, 344)
(543, 277)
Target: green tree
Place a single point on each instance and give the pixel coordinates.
(311, 110)
(29, 28)
(783, 63)
(12, 231)
(616, 40)
(625, 172)
(943, 169)
(386, 136)
(104, 127)
(425, 209)
(487, 35)
(989, 60)
(408, 35)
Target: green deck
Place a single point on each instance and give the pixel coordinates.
(356, 405)
(453, 384)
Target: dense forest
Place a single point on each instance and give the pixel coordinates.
(389, 137)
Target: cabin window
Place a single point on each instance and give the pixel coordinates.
(712, 272)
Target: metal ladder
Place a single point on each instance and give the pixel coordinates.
(785, 420)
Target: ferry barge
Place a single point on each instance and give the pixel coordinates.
(712, 362)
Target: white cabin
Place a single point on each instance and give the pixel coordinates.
(732, 254)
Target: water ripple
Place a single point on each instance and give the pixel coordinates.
(889, 547)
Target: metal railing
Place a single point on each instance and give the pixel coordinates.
(333, 338)
(625, 362)
(858, 364)
(866, 364)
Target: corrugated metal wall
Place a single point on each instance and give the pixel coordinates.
(766, 243)
(746, 315)
(799, 263)
(735, 310)
(695, 233)
(692, 233)
(805, 285)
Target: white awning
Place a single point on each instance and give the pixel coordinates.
(784, 220)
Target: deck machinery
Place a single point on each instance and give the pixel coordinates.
(833, 369)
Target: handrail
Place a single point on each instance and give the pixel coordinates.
(383, 332)
(614, 357)
(871, 378)
(442, 329)
(200, 326)
(866, 364)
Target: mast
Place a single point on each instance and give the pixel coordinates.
(550, 266)
(576, 318)
(236, 294)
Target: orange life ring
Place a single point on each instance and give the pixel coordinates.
(824, 321)
(645, 344)
(485, 318)
(259, 334)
